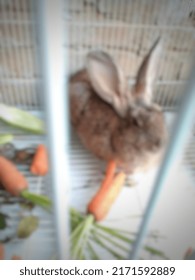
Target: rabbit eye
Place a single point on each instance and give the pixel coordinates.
(138, 122)
(158, 143)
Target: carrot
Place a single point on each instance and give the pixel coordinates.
(109, 173)
(40, 165)
(2, 252)
(101, 203)
(10, 178)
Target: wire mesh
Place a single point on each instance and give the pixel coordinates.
(126, 29)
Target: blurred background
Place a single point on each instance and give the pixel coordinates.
(125, 29)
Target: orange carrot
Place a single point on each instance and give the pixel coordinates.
(107, 194)
(10, 178)
(109, 173)
(40, 164)
(2, 252)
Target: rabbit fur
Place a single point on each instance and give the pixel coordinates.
(113, 121)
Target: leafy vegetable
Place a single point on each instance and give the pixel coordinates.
(37, 199)
(27, 226)
(5, 138)
(21, 119)
(87, 234)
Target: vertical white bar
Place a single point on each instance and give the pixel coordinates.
(178, 139)
(54, 72)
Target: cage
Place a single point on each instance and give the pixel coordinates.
(31, 33)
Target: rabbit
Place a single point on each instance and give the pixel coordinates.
(116, 122)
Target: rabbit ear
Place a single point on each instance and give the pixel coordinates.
(107, 80)
(146, 74)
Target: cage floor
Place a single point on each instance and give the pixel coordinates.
(172, 224)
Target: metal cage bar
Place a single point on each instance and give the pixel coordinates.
(178, 140)
(56, 100)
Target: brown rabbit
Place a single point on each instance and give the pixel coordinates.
(121, 126)
(113, 121)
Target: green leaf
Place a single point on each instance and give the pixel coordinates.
(76, 215)
(154, 251)
(37, 199)
(21, 119)
(130, 241)
(103, 236)
(27, 226)
(5, 138)
(76, 218)
(117, 230)
(104, 245)
(79, 237)
(3, 223)
(116, 234)
(75, 234)
(92, 252)
(114, 243)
